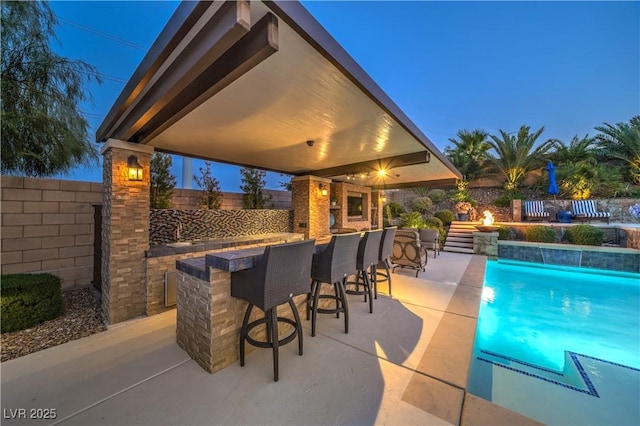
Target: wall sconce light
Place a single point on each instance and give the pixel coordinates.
(428, 158)
(134, 169)
(324, 191)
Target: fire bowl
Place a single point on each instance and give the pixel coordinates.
(486, 228)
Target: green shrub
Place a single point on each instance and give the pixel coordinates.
(541, 234)
(435, 223)
(504, 233)
(422, 204)
(432, 222)
(28, 300)
(446, 216)
(585, 235)
(394, 208)
(411, 220)
(505, 199)
(437, 195)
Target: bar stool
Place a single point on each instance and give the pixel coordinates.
(368, 251)
(386, 248)
(281, 273)
(332, 266)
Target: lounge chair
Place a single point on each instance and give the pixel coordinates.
(585, 210)
(534, 210)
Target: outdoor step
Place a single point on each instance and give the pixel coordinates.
(459, 240)
(458, 250)
(458, 245)
(461, 231)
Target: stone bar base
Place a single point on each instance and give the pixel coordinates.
(209, 319)
(486, 243)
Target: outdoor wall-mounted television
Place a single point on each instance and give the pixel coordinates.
(354, 206)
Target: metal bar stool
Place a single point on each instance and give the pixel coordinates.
(368, 251)
(332, 266)
(386, 248)
(281, 273)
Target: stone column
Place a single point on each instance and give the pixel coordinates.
(310, 207)
(486, 243)
(378, 213)
(516, 210)
(125, 231)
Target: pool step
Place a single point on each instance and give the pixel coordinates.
(589, 390)
(460, 237)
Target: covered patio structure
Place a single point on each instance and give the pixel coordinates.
(257, 84)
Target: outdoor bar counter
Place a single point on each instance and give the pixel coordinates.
(208, 317)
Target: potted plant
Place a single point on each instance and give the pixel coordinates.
(462, 209)
(334, 200)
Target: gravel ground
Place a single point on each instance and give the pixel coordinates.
(81, 317)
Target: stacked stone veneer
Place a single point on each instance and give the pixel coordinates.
(203, 224)
(47, 226)
(485, 243)
(340, 191)
(125, 232)
(209, 319)
(310, 207)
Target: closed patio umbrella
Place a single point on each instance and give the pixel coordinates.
(553, 186)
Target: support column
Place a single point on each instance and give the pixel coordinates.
(310, 206)
(125, 231)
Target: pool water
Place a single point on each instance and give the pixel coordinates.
(558, 344)
(534, 313)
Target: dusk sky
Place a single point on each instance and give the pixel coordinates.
(567, 66)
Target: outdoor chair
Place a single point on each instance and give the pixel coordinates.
(586, 210)
(368, 252)
(332, 266)
(281, 273)
(408, 251)
(386, 248)
(430, 239)
(534, 210)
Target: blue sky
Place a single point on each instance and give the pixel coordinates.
(568, 66)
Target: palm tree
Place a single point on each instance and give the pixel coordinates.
(578, 151)
(516, 155)
(469, 152)
(622, 142)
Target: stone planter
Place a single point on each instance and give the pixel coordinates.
(463, 216)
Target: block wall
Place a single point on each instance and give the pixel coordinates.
(47, 226)
(184, 199)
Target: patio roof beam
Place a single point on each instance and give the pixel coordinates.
(254, 47)
(375, 165)
(438, 183)
(205, 31)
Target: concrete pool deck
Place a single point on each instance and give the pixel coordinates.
(407, 363)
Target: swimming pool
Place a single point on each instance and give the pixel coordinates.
(555, 328)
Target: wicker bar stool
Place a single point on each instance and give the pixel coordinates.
(332, 266)
(368, 251)
(281, 273)
(386, 249)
